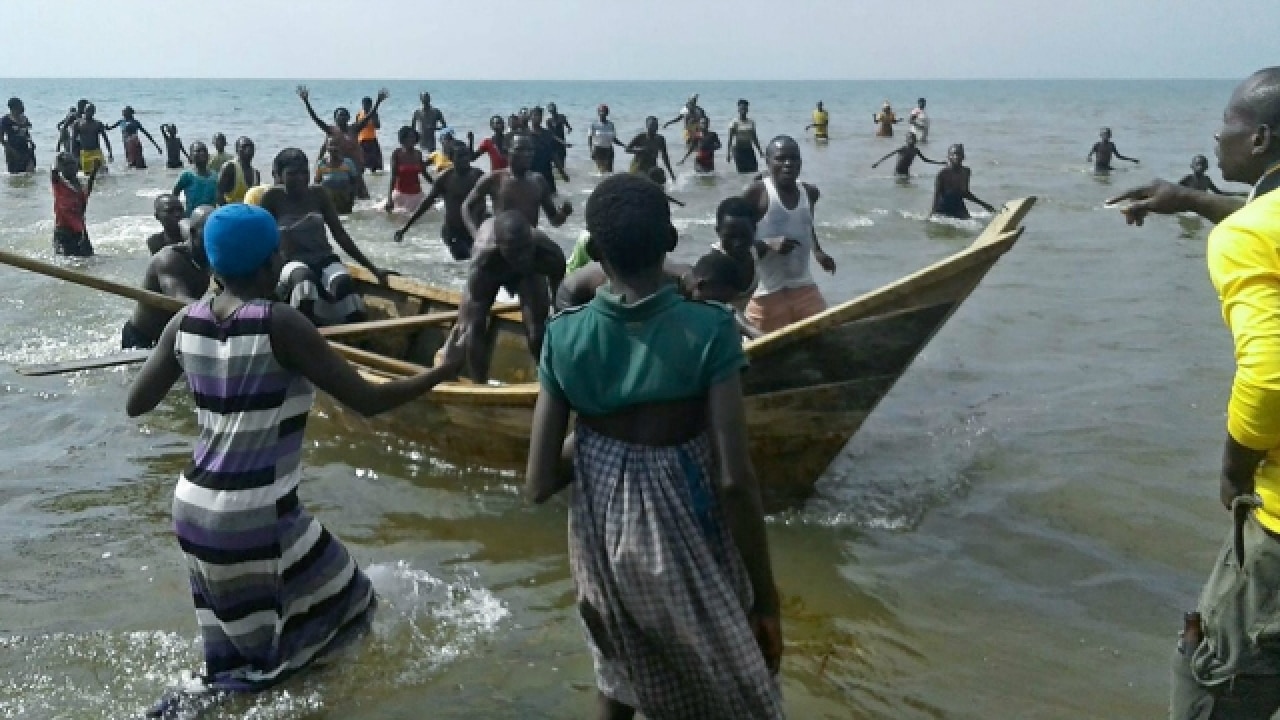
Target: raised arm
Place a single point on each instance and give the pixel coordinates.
(369, 117)
(300, 347)
(305, 94)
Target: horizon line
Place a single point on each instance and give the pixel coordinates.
(623, 80)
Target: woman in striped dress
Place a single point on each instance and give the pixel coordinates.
(273, 589)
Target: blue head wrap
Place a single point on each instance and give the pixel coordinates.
(239, 239)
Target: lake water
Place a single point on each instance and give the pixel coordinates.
(1014, 533)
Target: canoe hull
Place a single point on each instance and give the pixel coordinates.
(808, 389)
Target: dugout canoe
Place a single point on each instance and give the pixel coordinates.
(809, 388)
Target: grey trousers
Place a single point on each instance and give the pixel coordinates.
(1247, 697)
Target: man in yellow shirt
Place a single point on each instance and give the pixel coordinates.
(1228, 660)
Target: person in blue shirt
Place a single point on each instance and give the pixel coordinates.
(130, 128)
(199, 186)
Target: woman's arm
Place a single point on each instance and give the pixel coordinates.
(550, 467)
(158, 374)
(340, 236)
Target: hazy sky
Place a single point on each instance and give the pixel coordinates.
(639, 39)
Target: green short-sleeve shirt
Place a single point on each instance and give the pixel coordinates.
(606, 355)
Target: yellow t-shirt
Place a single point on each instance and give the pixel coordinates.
(254, 195)
(439, 161)
(1244, 264)
(820, 123)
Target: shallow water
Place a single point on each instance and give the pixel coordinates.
(1012, 534)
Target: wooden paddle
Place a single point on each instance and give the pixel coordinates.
(173, 305)
(128, 357)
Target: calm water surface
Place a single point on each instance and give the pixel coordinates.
(1013, 533)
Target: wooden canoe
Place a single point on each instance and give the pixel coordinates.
(809, 388)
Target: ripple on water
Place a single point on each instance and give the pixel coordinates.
(423, 624)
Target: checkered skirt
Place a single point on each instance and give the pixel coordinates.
(662, 590)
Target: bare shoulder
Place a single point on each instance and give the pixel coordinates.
(813, 192)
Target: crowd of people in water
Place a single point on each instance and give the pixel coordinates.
(679, 606)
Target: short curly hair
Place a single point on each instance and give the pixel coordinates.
(290, 157)
(630, 222)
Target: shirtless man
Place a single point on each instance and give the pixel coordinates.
(785, 239)
(169, 212)
(647, 147)
(516, 188)
(455, 186)
(427, 120)
(180, 271)
(951, 189)
(1103, 151)
(88, 130)
(511, 254)
(907, 154)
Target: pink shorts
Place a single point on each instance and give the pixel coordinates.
(401, 202)
(779, 309)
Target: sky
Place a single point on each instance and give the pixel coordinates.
(640, 39)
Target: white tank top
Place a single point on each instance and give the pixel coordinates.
(780, 272)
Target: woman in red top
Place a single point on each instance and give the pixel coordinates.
(495, 147)
(70, 200)
(407, 165)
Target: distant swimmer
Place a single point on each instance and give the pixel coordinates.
(495, 146)
(1199, 177)
(427, 120)
(368, 135)
(907, 154)
(919, 121)
(314, 279)
(173, 146)
(219, 156)
(454, 186)
(690, 115)
(821, 119)
(15, 135)
(785, 241)
(70, 202)
(179, 270)
(408, 168)
(602, 137)
(516, 188)
(510, 254)
(951, 189)
(89, 131)
(169, 212)
(885, 120)
(647, 147)
(199, 186)
(239, 175)
(705, 143)
(744, 144)
(1103, 151)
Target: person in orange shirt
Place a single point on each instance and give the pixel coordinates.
(368, 135)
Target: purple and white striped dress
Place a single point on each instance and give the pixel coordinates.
(272, 588)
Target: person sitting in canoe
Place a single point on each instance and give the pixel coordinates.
(666, 532)
(314, 279)
(785, 240)
(178, 270)
(509, 253)
(515, 188)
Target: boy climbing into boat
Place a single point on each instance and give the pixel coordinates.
(178, 270)
(785, 240)
(907, 154)
(509, 253)
(455, 186)
(678, 603)
(168, 212)
(516, 188)
(951, 188)
(70, 201)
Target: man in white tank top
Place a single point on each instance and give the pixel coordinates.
(785, 242)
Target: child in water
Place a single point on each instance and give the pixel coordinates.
(1103, 151)
(1199, 178)
(70, 201)
(173, 146)
(654, 380)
